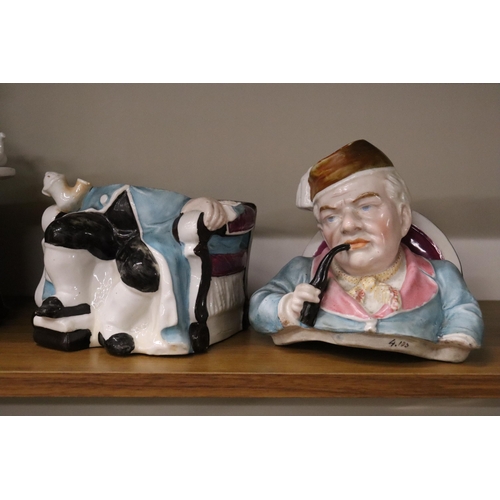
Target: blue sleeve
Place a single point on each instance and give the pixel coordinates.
(460, 309)
(263, 312)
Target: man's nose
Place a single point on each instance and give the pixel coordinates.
(350, 222)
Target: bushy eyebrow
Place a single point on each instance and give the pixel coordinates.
(326, 207)
(360, 197)
(366, 195)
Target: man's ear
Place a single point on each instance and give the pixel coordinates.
(405, 219)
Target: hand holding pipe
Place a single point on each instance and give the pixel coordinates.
(320, 281)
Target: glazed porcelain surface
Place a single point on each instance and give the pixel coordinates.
(375, 279)
(140, 270)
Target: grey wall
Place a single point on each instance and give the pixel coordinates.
(253, 143)
(246, 142)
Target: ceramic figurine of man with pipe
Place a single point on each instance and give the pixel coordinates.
(378, 294)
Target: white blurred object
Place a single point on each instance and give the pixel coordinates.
(4, 171)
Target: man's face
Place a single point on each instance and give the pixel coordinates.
(361, 213)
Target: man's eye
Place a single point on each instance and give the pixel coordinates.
(366, 208)
(331, 218)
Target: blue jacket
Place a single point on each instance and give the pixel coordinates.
(435, 302)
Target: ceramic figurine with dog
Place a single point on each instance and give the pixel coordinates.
(140, 270)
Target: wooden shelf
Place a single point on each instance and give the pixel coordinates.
(246, 365)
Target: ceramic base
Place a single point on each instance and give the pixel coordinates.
(452, 353)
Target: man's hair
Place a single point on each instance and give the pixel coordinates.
(397, 190)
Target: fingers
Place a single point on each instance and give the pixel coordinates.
(461, 339)
(214, 216)
(303, 293)
(290, 306)
(307, 293)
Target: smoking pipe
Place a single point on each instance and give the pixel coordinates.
(320, 281)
